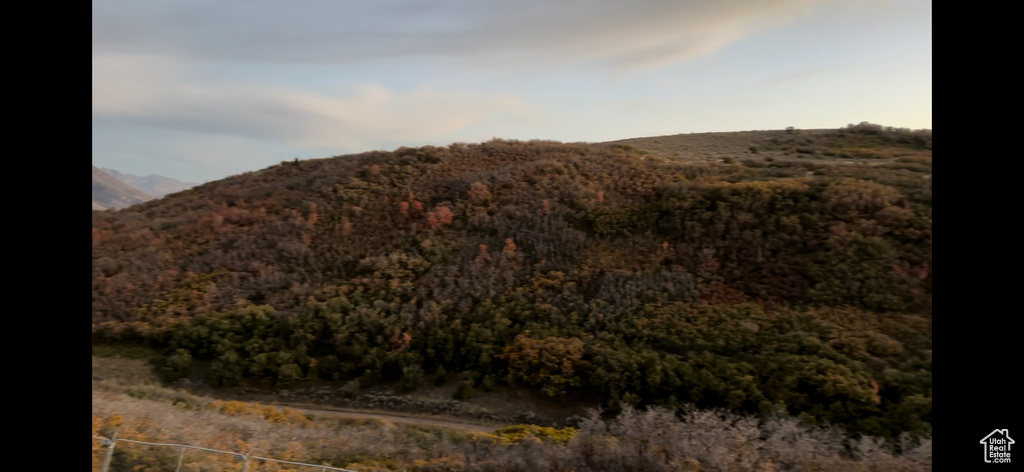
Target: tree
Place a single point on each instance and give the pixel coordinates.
(288, 374)
(464, 391)
(228, 369)
(551, 363)
(177, 366)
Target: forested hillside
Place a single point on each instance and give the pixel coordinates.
(794, 276)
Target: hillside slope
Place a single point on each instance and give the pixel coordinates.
(110, 192)
(794, 277)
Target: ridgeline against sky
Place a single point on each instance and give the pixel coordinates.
(202, 90)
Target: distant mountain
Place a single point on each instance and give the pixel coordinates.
(155, 185)
(110, 192)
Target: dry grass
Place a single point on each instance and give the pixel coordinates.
(121, 371)
(709, 146)
(654, 440)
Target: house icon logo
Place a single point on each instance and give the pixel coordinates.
(997, 446)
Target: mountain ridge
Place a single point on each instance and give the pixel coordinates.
(109, 192)
(152, 184)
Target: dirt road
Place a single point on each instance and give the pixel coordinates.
(393, 417)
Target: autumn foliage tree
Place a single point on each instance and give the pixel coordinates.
(551, 363)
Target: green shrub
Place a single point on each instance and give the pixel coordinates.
(228, 369)
(464, 391)
(412, 377)
(288, 374)
(175, 367)
(350, 389)
(441, 376)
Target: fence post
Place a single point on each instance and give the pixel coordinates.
(245, 460)
(181, 458)
(110, 452)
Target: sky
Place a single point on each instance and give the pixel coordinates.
(199, 90)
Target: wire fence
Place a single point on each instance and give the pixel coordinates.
(245, 458)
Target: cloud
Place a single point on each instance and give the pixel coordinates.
(168, 94)
(622, 34)
(167, 64)
(798, 76)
